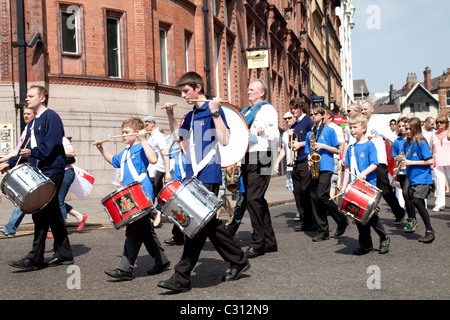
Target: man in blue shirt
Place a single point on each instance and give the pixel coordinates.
(45, 148)
(204, 127)
(301, 177)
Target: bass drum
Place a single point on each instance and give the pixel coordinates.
(239, 141)
(237, 146)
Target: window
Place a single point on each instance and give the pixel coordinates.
(113, 43)
(163, 55)
(188, 50)
(69, 28)
(448, 98)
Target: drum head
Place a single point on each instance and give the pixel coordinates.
(237, 146)
(39, 198)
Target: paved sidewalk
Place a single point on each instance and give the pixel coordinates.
(276, 194)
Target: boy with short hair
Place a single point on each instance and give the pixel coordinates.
(203, 127)
(361, 160)
(133, 162)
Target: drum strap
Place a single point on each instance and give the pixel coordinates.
(353, 163)
(126, 158)
(197, 167)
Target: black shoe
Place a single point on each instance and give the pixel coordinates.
(429, 237)
(119, 274)
(306, 227)
(253, 253)
(321, 237)
(362, 251)
(173, 285)
(59, 261)
(271, 249)
(26, 265)
(384, 246)
(158, 269)
(341, 228)
(174, 242)
(235, 272)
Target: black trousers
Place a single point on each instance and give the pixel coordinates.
(365, 239)
(256, 177)
(221, 239)
(137, 233)
(301, 178)
(322, 204)
(50, 217)
(388, 192)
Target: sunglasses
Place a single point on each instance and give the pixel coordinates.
(440, 122)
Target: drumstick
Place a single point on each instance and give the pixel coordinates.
(120, 136)
(22, 149)
(171, 104)
(203, 100)
(336, 196)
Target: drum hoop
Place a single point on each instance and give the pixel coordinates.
(246, 127)
(120, 190)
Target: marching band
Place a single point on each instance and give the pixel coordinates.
(212, 136)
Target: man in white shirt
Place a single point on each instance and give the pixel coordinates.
(428, 128)
(377, 131)
(340, 138)
(262, 119)
(160, 171)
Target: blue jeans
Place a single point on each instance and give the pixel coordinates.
(14, 221)
(69, 176)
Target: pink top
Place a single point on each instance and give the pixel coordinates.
(441, 151)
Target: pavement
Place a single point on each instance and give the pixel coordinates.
(276, 194)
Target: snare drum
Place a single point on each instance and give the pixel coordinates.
(28, 188)
(127, 204)
(190, 205)
(360, 201)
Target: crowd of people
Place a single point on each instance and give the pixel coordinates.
(323, 161)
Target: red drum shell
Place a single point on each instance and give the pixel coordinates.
(127, 204)
(360, 201)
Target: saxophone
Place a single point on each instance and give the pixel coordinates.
(315, 156)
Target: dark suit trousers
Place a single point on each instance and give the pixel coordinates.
(50, 216)
(301, 178)
(256, 178)
(221, 239)
(388, 192)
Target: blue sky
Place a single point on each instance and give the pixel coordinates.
(392, 38)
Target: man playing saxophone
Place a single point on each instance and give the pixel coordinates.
(322, 141)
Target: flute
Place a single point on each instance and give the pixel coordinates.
(119, 136)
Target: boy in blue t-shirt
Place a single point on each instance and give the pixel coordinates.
(326, 145)
(362, 160)
(133, 162)
(203, 128)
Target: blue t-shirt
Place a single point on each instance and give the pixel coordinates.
(140, 162)
(399, 148)
(365, 155)
(328, 137)
(204, 141)
(419, 174)
(301, 128)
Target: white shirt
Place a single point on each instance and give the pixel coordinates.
(266, 118)
(287, 147)
(377, 131)
(158, 142)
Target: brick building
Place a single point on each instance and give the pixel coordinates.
(104, 61)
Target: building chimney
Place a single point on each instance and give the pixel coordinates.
(427, 78)
(391, 92)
